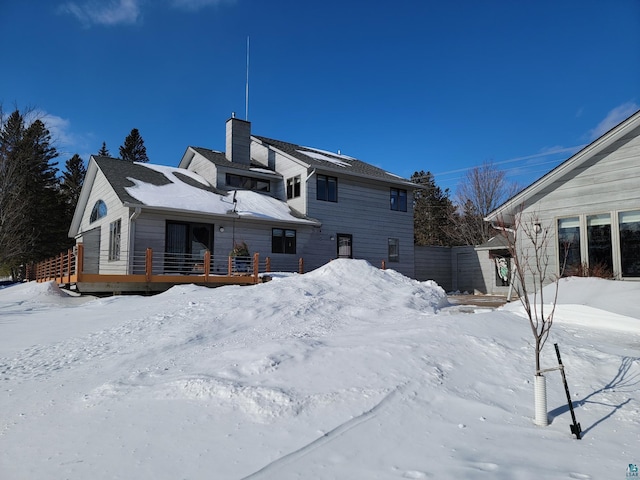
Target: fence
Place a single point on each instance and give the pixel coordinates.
(72, 267)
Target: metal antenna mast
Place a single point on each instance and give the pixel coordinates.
(246, 99)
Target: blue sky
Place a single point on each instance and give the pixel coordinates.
(406, 85)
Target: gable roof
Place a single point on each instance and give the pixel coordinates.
(332, 162)
(121, 174)
(157, 187)
(508, 209)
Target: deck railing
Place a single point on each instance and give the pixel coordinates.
(73, 267)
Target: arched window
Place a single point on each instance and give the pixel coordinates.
(99, 211)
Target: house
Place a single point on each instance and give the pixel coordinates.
(282, 200)
(590, 205)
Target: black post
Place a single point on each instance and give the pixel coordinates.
(575, 428)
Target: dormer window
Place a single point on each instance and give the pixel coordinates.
(293, 187)
(248, 183)
(99, 211)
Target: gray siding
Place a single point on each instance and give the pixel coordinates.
(150, 232)
(605, 183)
(363, 211)
(289, 169)
(434, 263)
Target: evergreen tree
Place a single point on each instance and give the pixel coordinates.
(72, 180)
(103, 152)
(133, 149)
(432, 211)
(33, 224)
(13, 235)
(46, 220)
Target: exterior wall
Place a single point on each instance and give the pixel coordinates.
(150, 233)
(434, 263)
(363, 211)
(464, 269)
(102, 191)
(289, 169)
(487, 277)
(205, 169)
(607, 183)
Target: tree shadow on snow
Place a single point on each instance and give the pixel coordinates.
(622, 382)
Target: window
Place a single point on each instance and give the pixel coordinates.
(630, 243)
(599, 242)
(186, 244)
(283, 241)
(248, 183)
(569, 246)
(399, 199)
(99, 211)
(394, 250)
(293, 187)
(114, 239)
(327, 188)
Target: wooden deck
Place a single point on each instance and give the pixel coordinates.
(68, 271)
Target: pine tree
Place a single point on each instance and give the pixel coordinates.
(13, 235)
(104, 152)
(46, 220)
(432, 211)
(133, 149)
(72, 180)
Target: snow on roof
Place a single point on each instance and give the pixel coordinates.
(169, 172)
(319, 155)
(181, 196)
(263, 170)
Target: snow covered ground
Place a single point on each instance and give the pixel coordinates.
(346, 372)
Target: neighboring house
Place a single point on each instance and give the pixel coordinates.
(590, 204)
(283, 200)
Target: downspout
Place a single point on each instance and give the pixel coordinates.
(311, 174)
(132, 231)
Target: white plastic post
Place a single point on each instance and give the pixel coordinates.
(540, 387)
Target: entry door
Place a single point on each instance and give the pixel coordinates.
(345, 242)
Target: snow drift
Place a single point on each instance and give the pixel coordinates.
(344, 372)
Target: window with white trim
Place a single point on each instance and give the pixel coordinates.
(99, 210)
(115, 229)
(283, 240)
(394, 249)
(629, 228)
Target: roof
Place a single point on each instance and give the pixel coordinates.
(600, 145)
(119, 174)
(329, 161)
(168, 188)
(497, 242)
(219, 158)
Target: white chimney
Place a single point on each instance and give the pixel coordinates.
(238, 141)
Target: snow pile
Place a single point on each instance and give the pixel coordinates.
(592, 302)
(344, 372)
